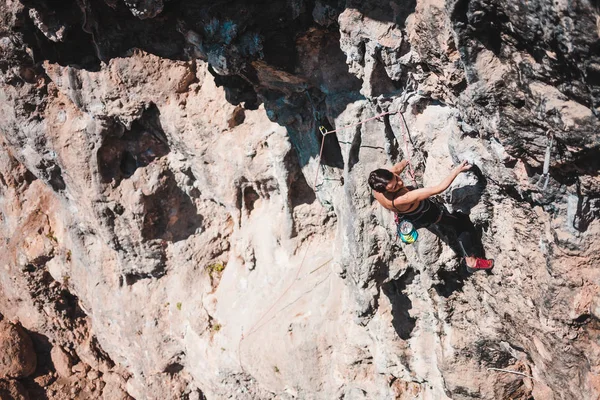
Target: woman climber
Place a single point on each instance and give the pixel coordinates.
(416, 206)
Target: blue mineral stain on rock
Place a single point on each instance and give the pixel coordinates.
(305, 143)
(221, 32)
(228, 32)
(251, 45)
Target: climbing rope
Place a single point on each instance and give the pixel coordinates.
(326, 132)
(255, 327)
(511, 372)
(404, 136)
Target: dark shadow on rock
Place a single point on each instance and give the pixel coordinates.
(76, 49)
(300, 192)
(393, 146)
(389, 11)
(381, 83)
(237, 90)
(169, 213)
(401, 304)
(353, 154)
(123, 152)
(586, 163)
(173, 369)
(12, 389)
(381, 273)
(51, 173)
(332, 152)
(42, 346)
(466, 197)
(68, 304)
(250, 197)
(452, 281)
(94, 32)
(588, 209)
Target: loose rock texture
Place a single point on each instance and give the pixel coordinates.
(171, 232)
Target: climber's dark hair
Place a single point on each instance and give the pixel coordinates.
(379, 179)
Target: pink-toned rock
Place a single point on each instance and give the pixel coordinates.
(131, 178)
(17, 356)
(114, 391)
(62, 362)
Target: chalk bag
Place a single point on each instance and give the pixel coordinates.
(407, 232)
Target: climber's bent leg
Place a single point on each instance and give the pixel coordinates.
(466, 236)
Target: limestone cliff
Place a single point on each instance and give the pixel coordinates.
(169, 230)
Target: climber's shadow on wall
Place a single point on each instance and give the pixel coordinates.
(402, 321)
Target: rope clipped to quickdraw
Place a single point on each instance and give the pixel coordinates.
(323, 130)
(255, 327)
(405, 133)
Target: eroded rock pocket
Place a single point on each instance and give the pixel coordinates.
(122, 154)
(170, 213)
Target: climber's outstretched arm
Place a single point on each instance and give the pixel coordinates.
(424, 193)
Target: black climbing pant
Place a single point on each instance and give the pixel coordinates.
(459, 233)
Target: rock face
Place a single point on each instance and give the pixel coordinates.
(12, 390)
(61, 361)
(175, 226)
(18, 359)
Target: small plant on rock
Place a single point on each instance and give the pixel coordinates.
(50, 235)
(215, 268)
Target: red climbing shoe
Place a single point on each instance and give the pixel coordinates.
(481, 264)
